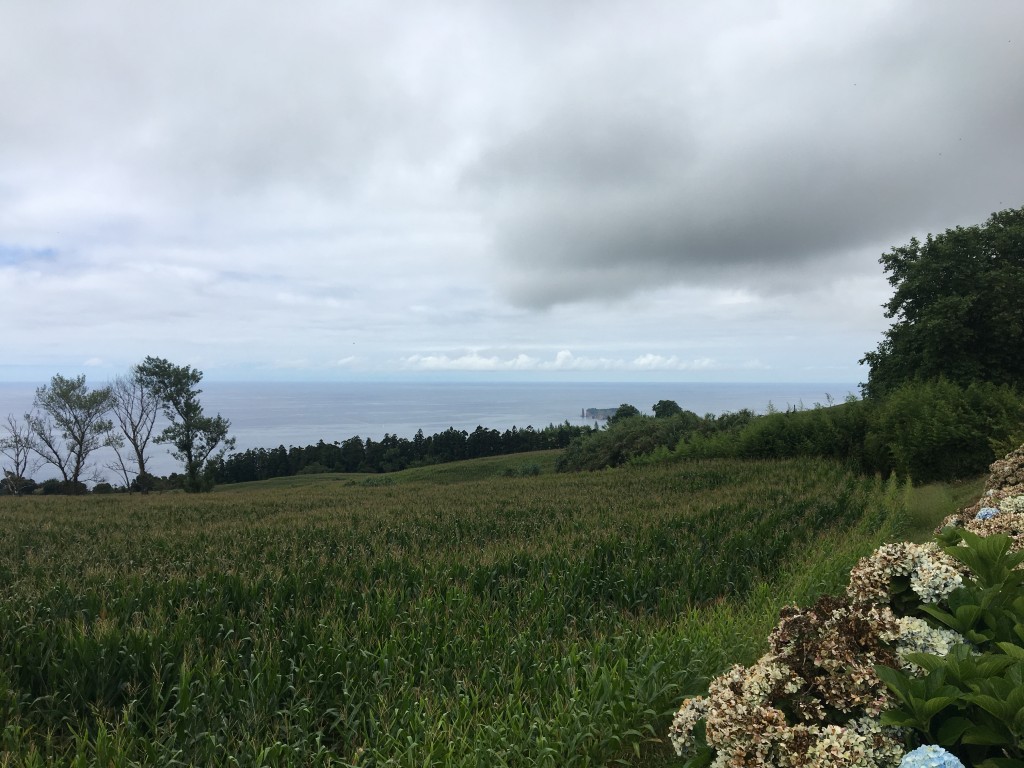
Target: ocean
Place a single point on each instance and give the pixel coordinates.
(269, 414)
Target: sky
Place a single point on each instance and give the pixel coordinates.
(334, 190)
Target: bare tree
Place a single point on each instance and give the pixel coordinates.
(134, 408)
(69, 425)
(16, 445)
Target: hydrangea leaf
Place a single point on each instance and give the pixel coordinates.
(986, 735)
(1012, 650)
(951, 731)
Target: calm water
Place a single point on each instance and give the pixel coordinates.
(271, 414)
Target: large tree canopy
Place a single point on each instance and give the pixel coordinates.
(958, 309)
(196, 437)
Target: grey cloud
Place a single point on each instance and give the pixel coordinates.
(799, 145)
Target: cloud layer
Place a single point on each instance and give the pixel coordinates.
(387, 188)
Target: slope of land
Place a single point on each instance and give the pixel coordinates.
(484, 613)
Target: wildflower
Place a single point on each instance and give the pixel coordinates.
(986, 513)
(930, 756)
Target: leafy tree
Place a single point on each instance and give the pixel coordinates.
(16, 446)
(134, 407)
(624, 411)
(666, 408)
(957, 308)
(198, 440)
(69, 425)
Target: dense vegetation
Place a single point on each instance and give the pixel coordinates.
(956, 308)
(392, 453)
(453, 616)
(925, 431)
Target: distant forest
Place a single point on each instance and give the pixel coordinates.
(392, 453)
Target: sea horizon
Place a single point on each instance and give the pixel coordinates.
(271, 414)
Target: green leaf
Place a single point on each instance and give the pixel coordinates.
(933, 706)
(1012, 650)
(900, 719)
(897, 681)
(991, 705)
(1000, 762)
(968, 615)
(949, 732)
(927, 661)
(987, 736)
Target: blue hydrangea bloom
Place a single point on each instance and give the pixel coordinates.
(987, 513)
(930, 756)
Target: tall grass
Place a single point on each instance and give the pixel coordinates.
(548, 620)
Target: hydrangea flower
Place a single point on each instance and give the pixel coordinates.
(1013, 505)
(933, 574)
(930, 756)
(913, 635)
(986, 513)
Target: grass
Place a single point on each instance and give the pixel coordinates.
(452, 616)
(928, 504)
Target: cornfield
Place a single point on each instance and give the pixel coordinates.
(496, 620)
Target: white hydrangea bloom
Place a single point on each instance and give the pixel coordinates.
(681, 732)
(914, 635)
(933, 577)
(933, 574)
(1012, 505)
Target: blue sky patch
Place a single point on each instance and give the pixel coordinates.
(11, 255)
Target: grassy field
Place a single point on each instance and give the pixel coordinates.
(484, 614)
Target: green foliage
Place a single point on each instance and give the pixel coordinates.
(629, 439)
(70, 425)
(956, 308)
(523, 470)
(392, 453)
(939, 430)
(553, 620)
(971, 701)
(663, 409)
(198, 440)
(927, 505)
(923, 430)
(624, 411)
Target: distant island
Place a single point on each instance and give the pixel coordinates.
(601, 414)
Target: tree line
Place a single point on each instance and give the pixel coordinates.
(391, 453)
(69, 422)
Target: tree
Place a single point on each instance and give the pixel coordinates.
(16, 445)
(624, 411)
(956, 306)
(134, 407)
(665, 408)
(195, 437)
(69, 425)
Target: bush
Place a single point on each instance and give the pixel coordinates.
(938, 430)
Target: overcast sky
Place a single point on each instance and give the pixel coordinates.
(604, 190)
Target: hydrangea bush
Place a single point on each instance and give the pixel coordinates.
(860, 680)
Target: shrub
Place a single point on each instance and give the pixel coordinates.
(938, 430)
